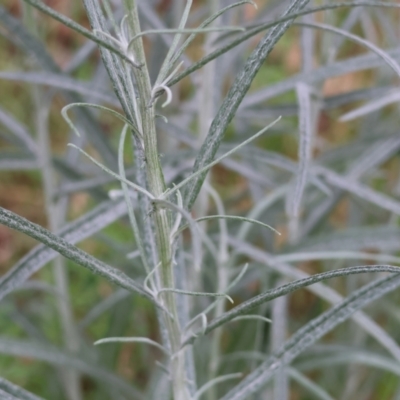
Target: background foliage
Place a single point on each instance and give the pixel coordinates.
(326, 176)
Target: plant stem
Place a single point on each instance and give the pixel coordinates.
(160, 215)
(55, 212)
(206, 115)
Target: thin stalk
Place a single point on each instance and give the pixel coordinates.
(278, 337)
(206, 110)
(207, 99)
(205, 116)
(159, 214)
(55, 212)
(223, 281)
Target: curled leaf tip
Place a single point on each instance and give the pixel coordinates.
(254, 4)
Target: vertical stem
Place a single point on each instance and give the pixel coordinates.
(206, 115)
(55, 215)
(160, 216)
(207, 107)
(224, 263)
(278, 337)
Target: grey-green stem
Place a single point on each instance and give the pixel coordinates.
(159, 214)
(55, 212)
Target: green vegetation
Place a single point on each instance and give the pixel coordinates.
(199, 200)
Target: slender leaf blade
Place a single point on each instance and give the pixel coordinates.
(55, 356)
(17, 391)
(235, 96)
(66, 249)
(283, 290)
(310, 333)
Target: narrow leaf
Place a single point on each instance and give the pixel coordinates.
(203, 170)
(323, 291)
(132, 340)
(353, 64)
(10, 161)
(17, 391)
(372, 106)
(248, 305)
(60, 81)
(76, 231)
(267, 25)
(75, 26)
(357, 39)
(69, 251)
(232, 101)
(295, 196)
(311, 333)
(364, 192)
(54, 356)
(32, 46)
(349, 356)
(309, 385)
(18, 129)
(383, 238)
